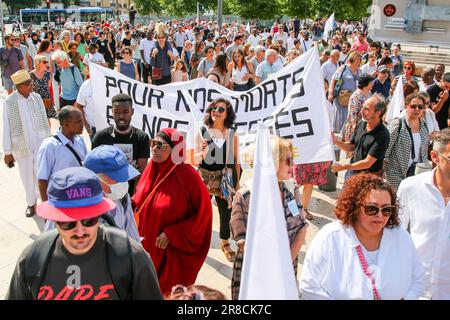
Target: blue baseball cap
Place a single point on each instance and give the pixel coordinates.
(74, 194)
(111, 161)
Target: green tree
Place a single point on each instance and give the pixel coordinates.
(343, 9)
(261, 9)
(181, 8)
(15, 5)
(148, 6)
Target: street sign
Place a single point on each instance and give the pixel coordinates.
(411, 21)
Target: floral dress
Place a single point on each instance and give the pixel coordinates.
(40, 86)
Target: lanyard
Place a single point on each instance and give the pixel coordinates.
(365, 267)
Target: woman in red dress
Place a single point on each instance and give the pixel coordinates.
(174, 212)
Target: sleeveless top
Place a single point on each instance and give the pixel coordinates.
(237, 75)
(209, 163)
(128, 69)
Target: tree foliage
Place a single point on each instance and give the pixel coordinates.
(261, 9)
(15, 5)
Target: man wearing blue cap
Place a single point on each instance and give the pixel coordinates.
(82, 260)
(112, 167)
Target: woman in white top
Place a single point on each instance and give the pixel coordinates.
(365, 254)
(241, 71)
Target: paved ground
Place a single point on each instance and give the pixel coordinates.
(17, 231)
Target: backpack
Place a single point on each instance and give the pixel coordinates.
(118, 252)
(57, 76)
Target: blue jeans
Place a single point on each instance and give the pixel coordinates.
(349, 174)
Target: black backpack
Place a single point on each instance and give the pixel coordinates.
(118, 252)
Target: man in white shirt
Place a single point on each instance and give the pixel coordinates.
(254, 38)
(94, 57)
(85, 103)
(146, 46)
(290, 40)
(425, 211)
(25, 126)
(330, 67)
(305, 41)
(427, 79)
(281, 35)
(180, 37)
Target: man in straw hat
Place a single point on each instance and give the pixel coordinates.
(81, 259)
(25, 126)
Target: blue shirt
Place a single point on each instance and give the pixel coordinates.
(70, 83)
(265, 69)
(382, 88)
(54, 155)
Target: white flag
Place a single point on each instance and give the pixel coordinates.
(267, 272)
(329, 26)
(248, 28)
(397, 103)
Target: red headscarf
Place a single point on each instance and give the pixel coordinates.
(181, 208)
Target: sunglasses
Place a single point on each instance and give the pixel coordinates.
(372, 210)
(158, 144)
(219, 109)
(417, 106)
(72, 224)
(407, 68)
(44, 61)
(126, 52)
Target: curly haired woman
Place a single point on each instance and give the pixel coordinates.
(364, 254)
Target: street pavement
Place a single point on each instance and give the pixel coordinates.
(17, 231)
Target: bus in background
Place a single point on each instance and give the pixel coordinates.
(58, 17)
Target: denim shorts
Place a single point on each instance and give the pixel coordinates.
(7, 83)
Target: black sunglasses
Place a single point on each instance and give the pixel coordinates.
(220, 109)
(372, 210)
(157, 143)
(417, 106)
(72, 224)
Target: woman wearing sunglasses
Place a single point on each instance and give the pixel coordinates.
(217, 148)
(174, 212)
(365, 254)
(409, 141)
(283, 156)
(127, 66)
(42, 83)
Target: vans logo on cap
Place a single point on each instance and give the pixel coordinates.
(77, 193)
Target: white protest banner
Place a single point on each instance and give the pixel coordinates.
(291, 101)
(329, 27)
(397, 102)
(267, 271)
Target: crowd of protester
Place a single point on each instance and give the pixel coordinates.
(136, 183)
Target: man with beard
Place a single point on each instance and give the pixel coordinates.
(369, 141)
(81, 259)
(133, 141)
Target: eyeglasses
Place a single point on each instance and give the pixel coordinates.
(219, 109)
(161, 38)
(372, 210)
(407, 68)
(72, 224)
(126, 52)
(417, 106)
(159, 144)
(445, 157)
(44, 61)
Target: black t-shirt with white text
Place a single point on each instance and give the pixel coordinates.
(135, 145)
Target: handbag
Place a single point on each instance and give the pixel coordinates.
(227, 182)
(212, 180)
(47, 102)
(344, 98)
(156, 73)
